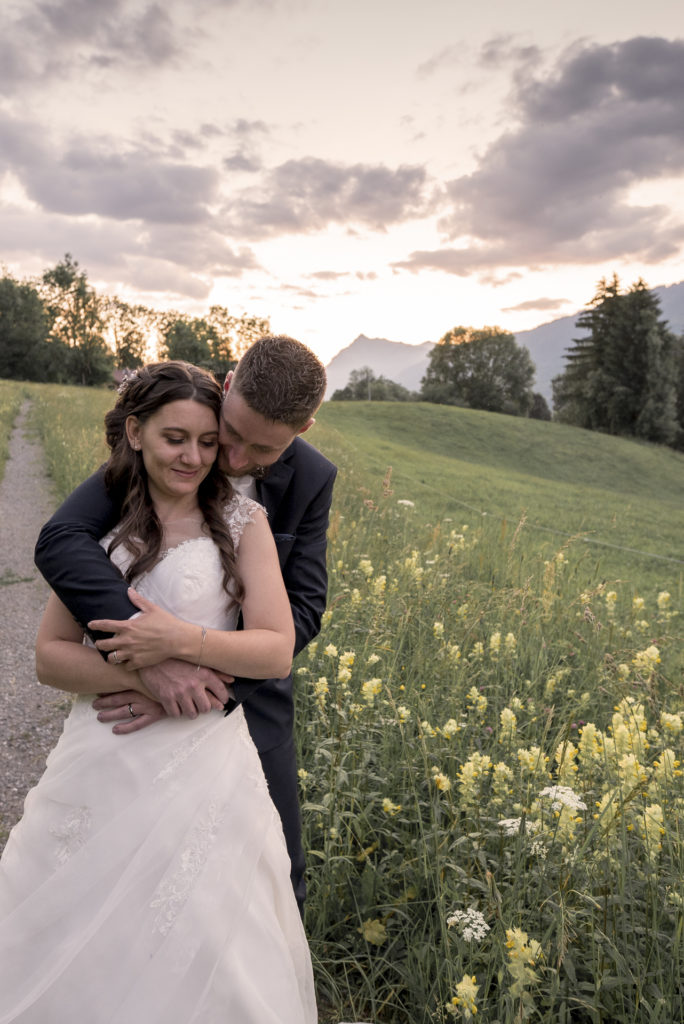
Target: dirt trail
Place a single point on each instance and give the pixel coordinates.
(31, 715)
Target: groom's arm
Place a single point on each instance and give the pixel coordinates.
(73, 562)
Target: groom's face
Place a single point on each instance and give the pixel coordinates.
(249, 443)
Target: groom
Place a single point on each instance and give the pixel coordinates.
(269, 401)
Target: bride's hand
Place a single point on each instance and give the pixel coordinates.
(144, 640)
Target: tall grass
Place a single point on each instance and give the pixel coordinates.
(12, 394)
(490, 729)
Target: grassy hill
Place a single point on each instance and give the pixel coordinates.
(625, 498)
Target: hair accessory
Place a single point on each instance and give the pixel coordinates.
(199, 660)
(128, 378)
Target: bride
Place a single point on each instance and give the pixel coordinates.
(148, 880)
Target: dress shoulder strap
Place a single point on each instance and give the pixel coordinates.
(240, 511)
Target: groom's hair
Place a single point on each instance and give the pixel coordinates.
(281, 379)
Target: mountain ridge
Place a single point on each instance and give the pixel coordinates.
(406, 364)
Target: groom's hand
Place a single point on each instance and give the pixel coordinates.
(182, 689)
(129, 710)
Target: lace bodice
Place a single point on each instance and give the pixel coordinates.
(188, 580)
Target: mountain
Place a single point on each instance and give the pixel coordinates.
(406, 364)
(402, 363)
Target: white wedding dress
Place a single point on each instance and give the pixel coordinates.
(148, 881)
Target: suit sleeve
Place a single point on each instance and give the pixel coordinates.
(304, 571)
(73, 562)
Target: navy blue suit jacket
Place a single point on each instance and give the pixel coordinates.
(296, 494)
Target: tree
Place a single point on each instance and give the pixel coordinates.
(24, 350)
(128, 329)
(234, 335)
(480, 369)
(363, 385)
(76, 322)
(620, 377)
(186, 337)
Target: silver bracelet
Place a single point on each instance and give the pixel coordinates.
(199, 660)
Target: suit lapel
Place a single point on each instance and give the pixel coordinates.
(271, 490)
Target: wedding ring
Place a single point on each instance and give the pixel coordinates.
(131, 712)
(116, 658)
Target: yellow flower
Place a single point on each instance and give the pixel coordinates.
(441, 781)
(343, 674)
(510, 643)
(321, 690)
(372, 659)
(373, 931)
(403, 713)
(390, 808)
(638, 604)
(347, 659)
(464, 1000)
(663, 600)
(438, 630)
(366, 567)
(379, 584)
(495, 643)
(509, 724)
(426, 729)
(370, 689)
(646, 661)
(476, 700)
(450, 728)
(330, 651)
(671, 723)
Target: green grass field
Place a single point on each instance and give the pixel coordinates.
(491, 723)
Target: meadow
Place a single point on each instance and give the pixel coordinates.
(491, 723)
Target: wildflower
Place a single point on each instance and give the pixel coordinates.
(403, 713)
(665, 770)
(390, 808)
(370, 689)
(333, 832)
(438, 630)
(510, 643)
(563, 796)
(355, 596)
(471, 924)
(441, 781)
(366, 567)
(611, 601)
(303, 671)
(464, 1000)
(453, 653)
(379, 584)
(502, 777)
(427, 730)
(450, 728)
(330, 651)
(651, 829)
(373, 931)
(671, 723)
(476, 700)
(646, 661)
(565, 755)
(494, 643)
(472, 771)
(321, 690)
(509, 724)
(347, 659)
(523, 953)
(325, 618)
(462, 611)
(663, 601)
(343, 675)
(532, 760)
(372, 659)
(303, 774)
(511, 826)
(406, 503)
(638, 604)
(478, 650)
(312, 648)
(623, 671)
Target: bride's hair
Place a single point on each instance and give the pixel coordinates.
(142, 393)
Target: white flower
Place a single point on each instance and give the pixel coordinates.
(470, 923)
(563, 796)
(512, 826)
(406, 503)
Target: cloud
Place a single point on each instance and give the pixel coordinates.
(536, 304)
(309, 194)
(555, 187)
(40, 41)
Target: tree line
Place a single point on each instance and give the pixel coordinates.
(625, 376)
(58, 328)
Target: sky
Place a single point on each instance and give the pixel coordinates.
(387, 167)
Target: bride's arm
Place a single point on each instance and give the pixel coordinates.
(64, 662)
(263, 649)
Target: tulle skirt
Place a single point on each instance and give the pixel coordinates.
(148, 883)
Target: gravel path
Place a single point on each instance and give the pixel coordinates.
(31, 715)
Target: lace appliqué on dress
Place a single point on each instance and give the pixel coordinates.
(175, 889)
(240, 511)
(182, 752)
(72, 834)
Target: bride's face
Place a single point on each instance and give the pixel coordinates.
(178, 444)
